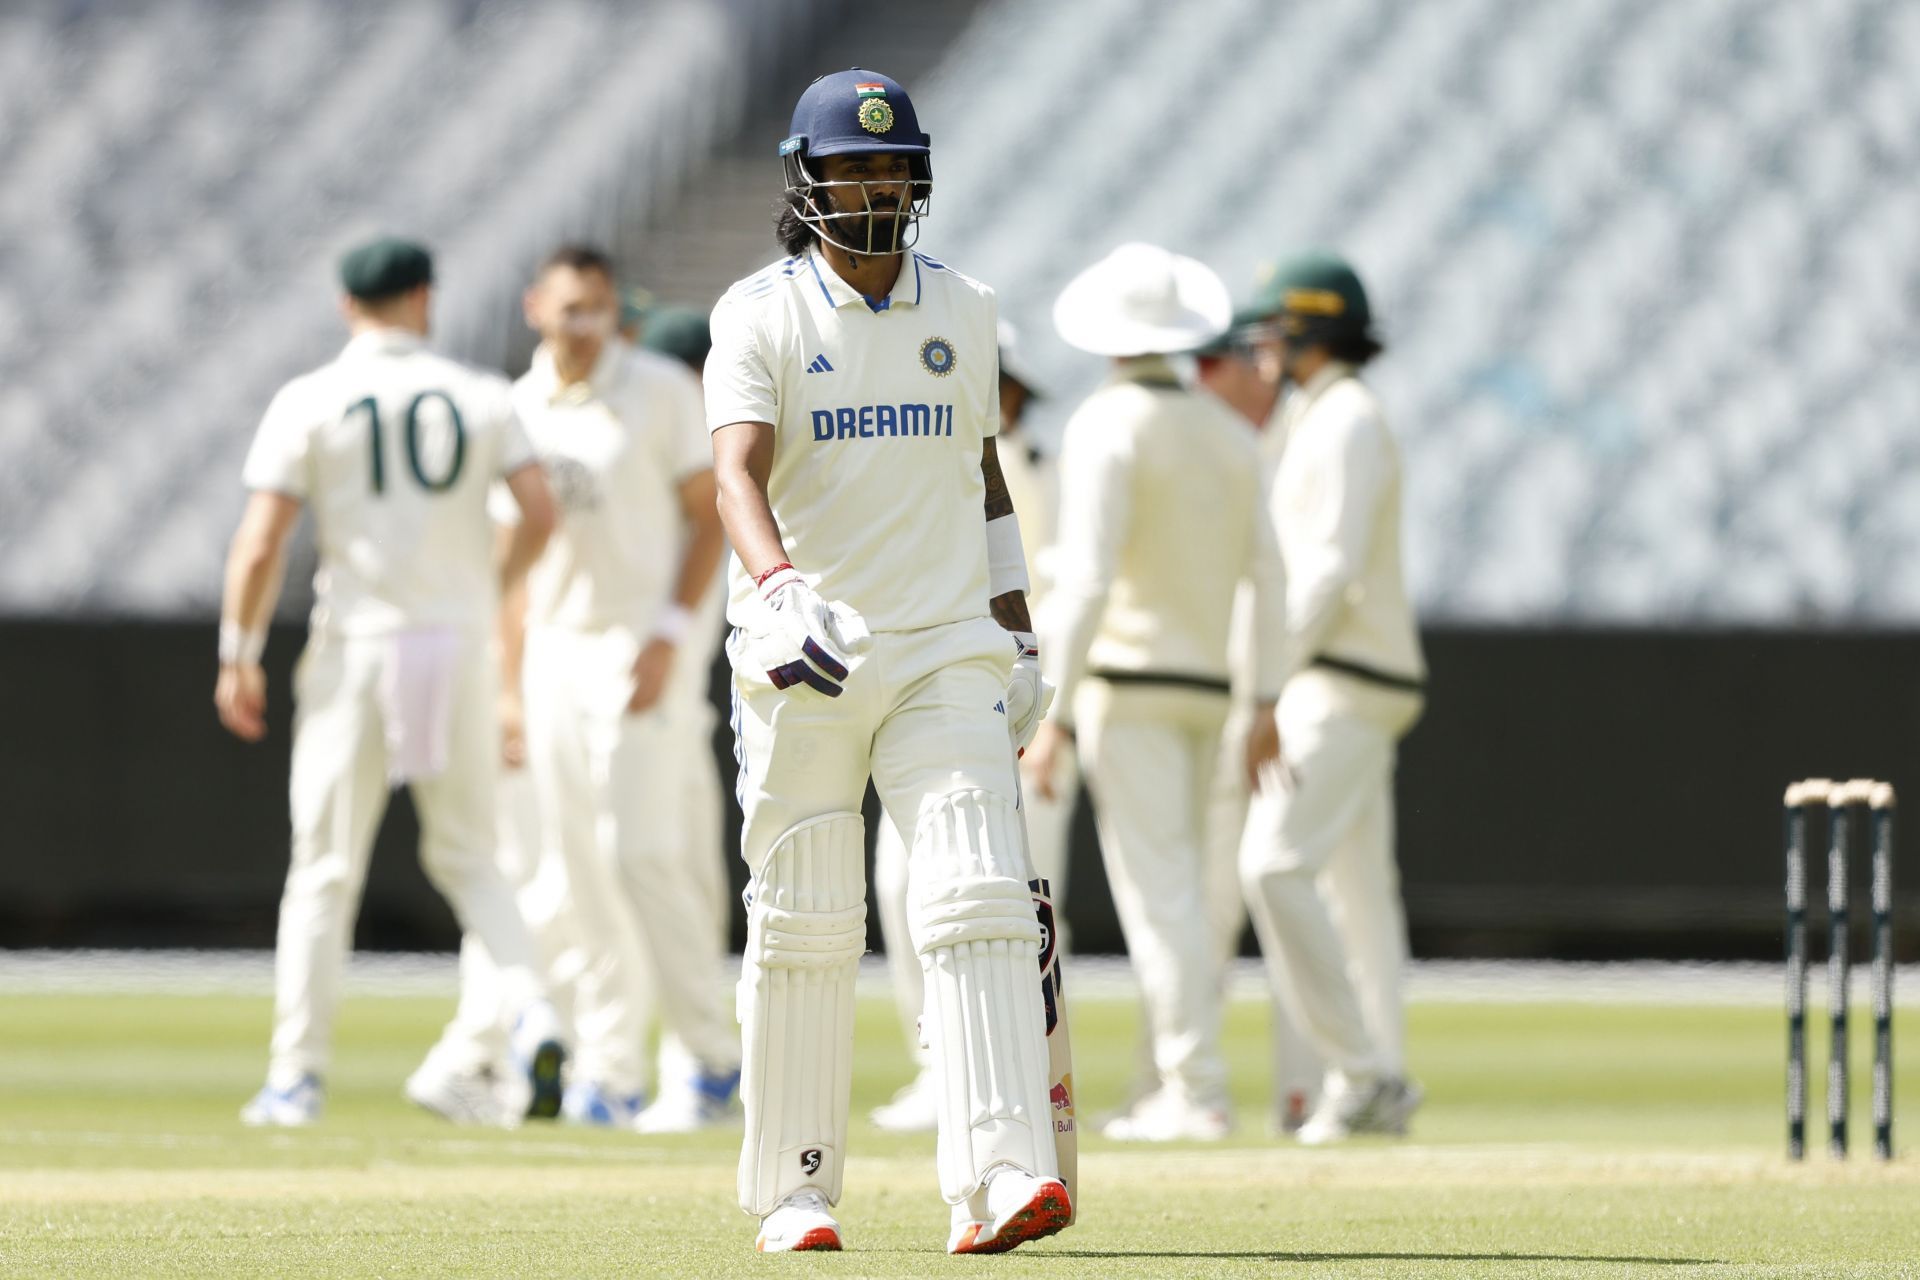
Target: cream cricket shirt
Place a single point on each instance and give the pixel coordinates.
(879, 417)
(616, 448)
(1336, 502)
(1161, 519)
(394, 448)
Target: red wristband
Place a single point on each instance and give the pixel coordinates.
(760, 579)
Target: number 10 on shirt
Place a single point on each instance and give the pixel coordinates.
(456, 450)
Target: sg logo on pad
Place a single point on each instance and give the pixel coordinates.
(810, 1161)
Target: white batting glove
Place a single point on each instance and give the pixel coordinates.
(809, 641)
(1028, 693)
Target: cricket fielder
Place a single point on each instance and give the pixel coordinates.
(916, 1107)
(1317, 862)
(1160, 521)
(394, 448)
(612, 712)
(851, 392)
(1227, 367)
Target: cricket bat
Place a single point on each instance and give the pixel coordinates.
(1066, 1132)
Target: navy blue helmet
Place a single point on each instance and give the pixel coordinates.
(848, 113)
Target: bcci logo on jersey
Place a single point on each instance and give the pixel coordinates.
(936, 357)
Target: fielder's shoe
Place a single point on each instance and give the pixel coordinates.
(1366, 1105)
(1013, 1207)
(915, 1109)
(297, 1105)
(540, 1054)
(799, 1222)
(462, 1097)
(600, 1107)
(1169, 1116)
(703, 1100)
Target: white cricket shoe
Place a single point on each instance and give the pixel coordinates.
(1011, 1208)
(541, 1055)
(1363, 1105)
(1168, 1116)
(292, 1107)
(703, 1100)
(462, 1097)
(915, 1109)
(799, 1222)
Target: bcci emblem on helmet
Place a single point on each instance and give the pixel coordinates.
(936, 357)
(875, 115)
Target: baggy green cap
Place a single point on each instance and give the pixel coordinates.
(385, 268)
(680, 332)
(1315, 295)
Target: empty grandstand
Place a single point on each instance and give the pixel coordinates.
(1649, 271)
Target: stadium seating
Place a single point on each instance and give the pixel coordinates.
(1643, 268)
(181, 177)
(1648, 271)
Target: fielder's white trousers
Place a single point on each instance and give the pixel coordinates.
(585, 979)
(338, 793)
(619, 797)
(1321, 881)
(477, 1037)
(1149, 754)
(1048, 823)
(1296, 1064)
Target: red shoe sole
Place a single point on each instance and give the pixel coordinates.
(1049, 1211)
(818, 1240)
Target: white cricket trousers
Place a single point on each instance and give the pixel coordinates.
(921, 714)
(1149, 753)
(1321, 881)
(619, 796)
(1296, 1065)
(476, 1039)
(1049, 824)
(338, 793)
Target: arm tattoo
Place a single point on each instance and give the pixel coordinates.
(999, 501)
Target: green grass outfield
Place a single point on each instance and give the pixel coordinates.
(1558, 1140)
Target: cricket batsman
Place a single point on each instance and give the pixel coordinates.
(1317, 860)
(395, 449)
(877, 573)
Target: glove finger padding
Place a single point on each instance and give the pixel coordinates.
(808, 641)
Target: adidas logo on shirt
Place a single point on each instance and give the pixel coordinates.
(820, 365)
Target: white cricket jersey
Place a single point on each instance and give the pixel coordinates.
(1161, 518)
(879, 416)
(394, 448)
(616, 448)
(1336, 502)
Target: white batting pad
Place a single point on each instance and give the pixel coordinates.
(974, 925)
(806, 930)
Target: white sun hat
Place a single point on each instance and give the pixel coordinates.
(1143, 300)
